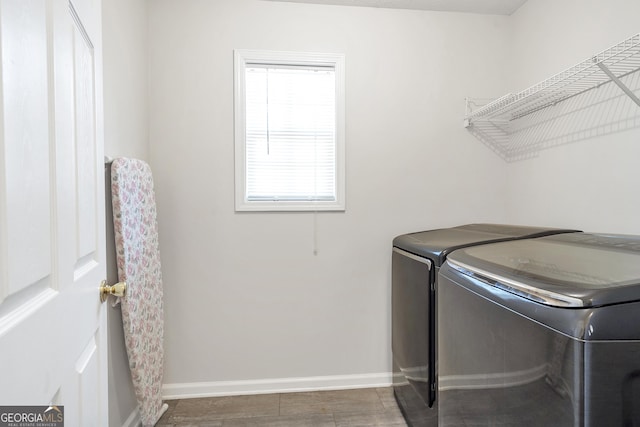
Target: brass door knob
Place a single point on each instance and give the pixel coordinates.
(118, 290)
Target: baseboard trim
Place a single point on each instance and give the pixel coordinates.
(134, 419)
(276, 385)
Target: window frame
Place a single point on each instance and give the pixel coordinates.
(244, 58)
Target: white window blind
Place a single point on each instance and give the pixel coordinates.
(289, 131)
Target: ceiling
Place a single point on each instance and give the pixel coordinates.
(492, 7)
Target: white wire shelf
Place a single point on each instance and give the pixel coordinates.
(610, 65)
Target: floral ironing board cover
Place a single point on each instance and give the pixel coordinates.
(138, 258)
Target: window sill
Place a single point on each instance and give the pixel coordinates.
(282, 206)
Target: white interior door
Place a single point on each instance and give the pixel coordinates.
(52, 324)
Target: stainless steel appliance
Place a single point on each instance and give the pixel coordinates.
(541, 332)
(416, 259)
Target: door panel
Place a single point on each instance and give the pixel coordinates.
(52, 325)
(87, 376)
(26, 147)
(85, 146)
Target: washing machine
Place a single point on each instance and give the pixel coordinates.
(541, 332)
(416, 259)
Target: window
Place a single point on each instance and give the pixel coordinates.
(289, 131)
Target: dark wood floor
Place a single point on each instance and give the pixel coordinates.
(343, 408)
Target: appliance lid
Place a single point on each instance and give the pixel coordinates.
(437, 244)
(565, 270)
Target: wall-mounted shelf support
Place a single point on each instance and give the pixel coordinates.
(617, 81)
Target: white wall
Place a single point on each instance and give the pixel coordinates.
(590, 183)
(126, 135)
(125, 78)
(245, 298)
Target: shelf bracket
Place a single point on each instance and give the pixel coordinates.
(617, 81)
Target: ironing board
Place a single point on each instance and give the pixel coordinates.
(138, 258)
